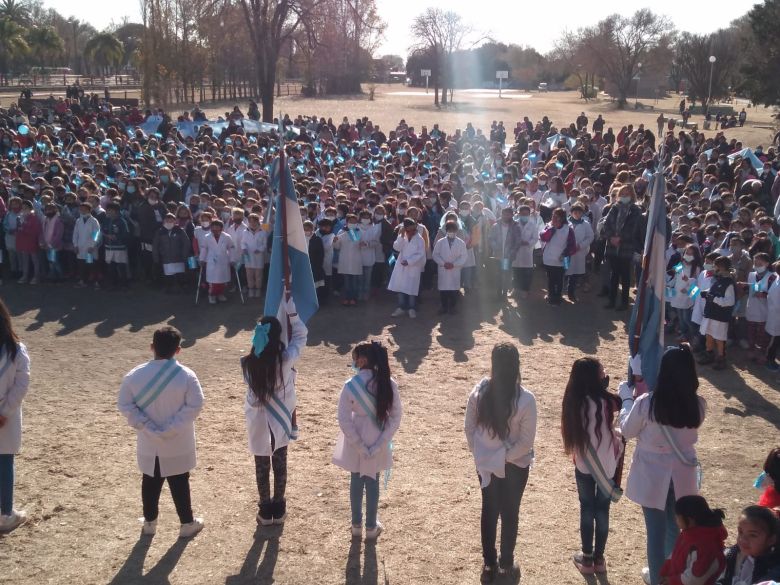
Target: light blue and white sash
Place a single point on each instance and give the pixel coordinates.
(367, 401)
(605, 483)
(159, 382)
(681, 456)
(283, 416)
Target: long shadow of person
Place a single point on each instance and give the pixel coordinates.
(251, 573)
(133, 569)
(370, 569)
(352, 572)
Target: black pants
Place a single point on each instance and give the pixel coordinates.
(621, 275)
(379, 275)
(555, 281)
(502, 498)
(773, 349)
(522, 278)
(571, 287)
(263, 474)
(151, 488)
(449, 298)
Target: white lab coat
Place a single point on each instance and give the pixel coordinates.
(583, 234)
(682, 282)
(165, 429)
(327, 245)
(529, 238)
(359, 434)
(199, 234)
(217, 256)
(554, 250)
(14, 382)
(369, 242)
(456, 254)
(756, 309)
(259, 424)
(704, 282)
(773, 309)
(86, 236)
(406, 279)
(655, 465)
(253, 247)
(350, 256)
(491, 454)
(236, 232)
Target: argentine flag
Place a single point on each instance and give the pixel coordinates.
(301, 280)
(646, 327)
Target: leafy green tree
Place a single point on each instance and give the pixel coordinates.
(46, 45)
(762, 63)
(104, 50)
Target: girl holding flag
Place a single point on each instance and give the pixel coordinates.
(587, 419)
(369, 414)
(269, 372)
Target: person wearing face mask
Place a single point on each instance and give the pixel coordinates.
(504, 244)
(194, 186)
(623, 233)
(116, 236)
(51, 241)
(759, 281)
(583, 235)
(326, 235)
(383, 249)
(405, 279)
(236, 229)
(201, 231)
(684, 275)
(450, 255)
(215, 255)
(149, 216)
(719, 301)
(316, 256)
(171, 191)
(170, 249)
(350, 260)
(254, 243)
(559, 243)
(523, 264)
(28, 235)
(87, 238)
(703, 282)
(368, 244)
(213, 181)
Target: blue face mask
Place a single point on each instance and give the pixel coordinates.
(523, 219)
(625, 200)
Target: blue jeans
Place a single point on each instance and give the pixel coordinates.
(364, 285)
(686, 326)
(351, 286)
(594, 511)
(407, 302)
(356, 483)
(6, 484)
(662, 532)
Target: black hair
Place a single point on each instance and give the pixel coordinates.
(9, 341)
(674, 401)
(376, 358)
(697, 509)
(166, 341)
(263, 372)
(497, 402)
(764, 517)
(585, 382)
(772, 467)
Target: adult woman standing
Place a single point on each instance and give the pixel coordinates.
(587, 418)
(665, 423)
(622, 231)
(500, 430)
(14, 381)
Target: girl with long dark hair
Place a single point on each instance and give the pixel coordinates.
(665, 423)
(269, 372)
(14, 381)
(587, 418)
(500, 430)
(369, 414)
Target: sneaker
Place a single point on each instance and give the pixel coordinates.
(584, 563)
(707, 358)
(222, 298)
(264, 521)
(511, 573)
(488, 574)
(13, 521)
(149, 528)
(412, 314)
(212, 300)
(34, 281)
(373, 533)
(265, 517)
(600, 565)
(397, 313)
(191, 529)
(646, 575)
(279, 512)
(357, 530)
(21, 281)
(81, 284)
(772, 367)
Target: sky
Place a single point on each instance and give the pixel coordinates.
(507, 21)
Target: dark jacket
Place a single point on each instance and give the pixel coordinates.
(170, 246)
(767, 567)
(629, 231)
(317, 257)
(172, 193)
(387, 238)
(718, 289)
(116, 233)
(149, 219)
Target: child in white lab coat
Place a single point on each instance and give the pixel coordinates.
(369, 415)
(523, 264)
(254, 242)
(583, 236)
(757, 286)
(215, 257)
(450, 255)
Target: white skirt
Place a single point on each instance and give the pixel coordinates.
(173, 268)
(116, 256)
(717, 329)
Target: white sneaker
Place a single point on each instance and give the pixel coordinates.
(412, 314)
(149, 528)
(264, 521)
(212, 300)
(397, 313)
(222, 298)
(34, 281)
(191, 529)
(13, 521)
(357, 530)
(373, 533)
(646, 575)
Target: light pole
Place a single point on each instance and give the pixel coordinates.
(636, 99)
(709, 91)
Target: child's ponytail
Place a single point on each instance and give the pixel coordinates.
(384, 386)
(697, 509)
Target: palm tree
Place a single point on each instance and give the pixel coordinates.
(12, 45)
(17, 11)
(105, 51)
(46, 45)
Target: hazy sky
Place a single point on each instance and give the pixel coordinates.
(535, 24)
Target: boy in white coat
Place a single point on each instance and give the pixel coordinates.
(450, 255)
(523, 264)
(583, 236)
(161, 400)
(254, 242)
(215, 257)
(405, 279)
(87, 238)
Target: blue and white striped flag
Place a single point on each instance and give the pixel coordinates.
(646, 327)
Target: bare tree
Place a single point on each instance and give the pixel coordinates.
(620, 44)
(692, 57)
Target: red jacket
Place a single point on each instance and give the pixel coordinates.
(28, 235)
(695, 553)
(770, 498)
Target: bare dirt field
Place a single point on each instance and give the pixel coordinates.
(78, 480)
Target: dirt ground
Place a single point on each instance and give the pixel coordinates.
(78, 480)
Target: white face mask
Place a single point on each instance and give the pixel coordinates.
(205, 224)
(688, 258)
(366, 221)
(168, 225)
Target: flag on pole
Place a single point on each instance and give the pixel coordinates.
(646, 327)
(290, 250)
